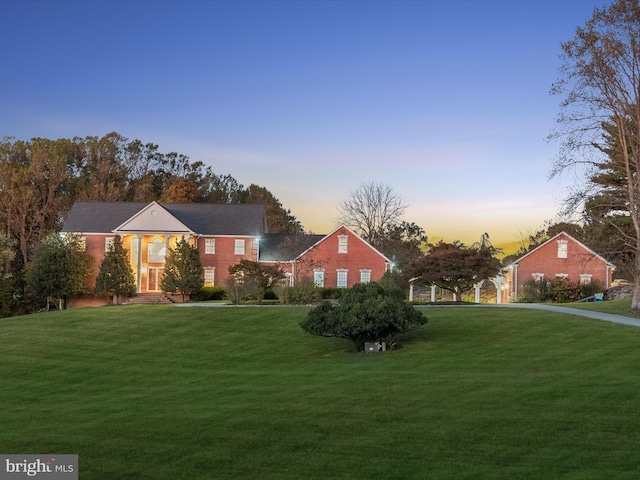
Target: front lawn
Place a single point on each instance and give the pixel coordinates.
(166, 392)
(616, 307)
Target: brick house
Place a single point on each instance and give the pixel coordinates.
(339, 259)
(224, 234)
(560, 256)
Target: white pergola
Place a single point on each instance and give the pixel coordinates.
(497, 281)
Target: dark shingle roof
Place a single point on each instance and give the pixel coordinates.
(201, 218)
(282, 248)
(99, 217)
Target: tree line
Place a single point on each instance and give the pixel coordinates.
(40, 179)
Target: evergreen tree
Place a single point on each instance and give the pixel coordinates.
(115, 277)
(601, 81)
(366, 313)
(59, 269)
(183, 270)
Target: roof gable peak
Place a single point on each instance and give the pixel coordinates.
(153, 218)
(556, 237)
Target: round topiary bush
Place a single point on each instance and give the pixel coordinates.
(366, 313)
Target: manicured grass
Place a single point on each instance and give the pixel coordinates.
(617, 307)
(224, 392)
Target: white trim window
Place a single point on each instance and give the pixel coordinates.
(341, 278)
(563, 249)
(585, 279)
(156, 251)
(209, 276)
(209, 246)
(238, 248)
(318, 278)
(343, 244)
(562, 275)
(537, 277)
(365, 276)
(107, 243)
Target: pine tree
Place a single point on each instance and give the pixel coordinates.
(183, 270)
(115, 277)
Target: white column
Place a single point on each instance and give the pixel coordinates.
(139, 272)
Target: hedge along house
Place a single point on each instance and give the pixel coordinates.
(224, 235)
(562, 256)
(339, 259)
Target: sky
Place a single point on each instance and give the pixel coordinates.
(447, 102)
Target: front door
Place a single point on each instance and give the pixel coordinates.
(155, 276)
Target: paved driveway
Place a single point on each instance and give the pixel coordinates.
(607, 317)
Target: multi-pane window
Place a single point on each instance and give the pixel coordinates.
(239, 247)
(562, 248)
(585, 279)
(156, 251)
(133, 251)
(209, 277)
(562, 275)
(318, 278)
(341, 279)
(209, 246)
(538, 277)
(343, 244)
(107, 243)
(365, 276)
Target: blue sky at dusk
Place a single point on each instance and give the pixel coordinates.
(446, 101)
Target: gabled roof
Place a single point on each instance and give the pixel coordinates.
(153, 218)
(198, 218)
(515, 262)
(272, 249)
(359, 238)
(285, 248)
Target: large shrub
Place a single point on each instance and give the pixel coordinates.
(366, 313)
(558, 290)
(331, 293)
(249, 281)
(208, 293)
(304, 292)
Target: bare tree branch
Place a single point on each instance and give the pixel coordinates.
(372, 209)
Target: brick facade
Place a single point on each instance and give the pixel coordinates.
(149, 230)
(360, 262)
(560, 256)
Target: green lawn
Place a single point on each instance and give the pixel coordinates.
(617, 307)
(226, 393)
